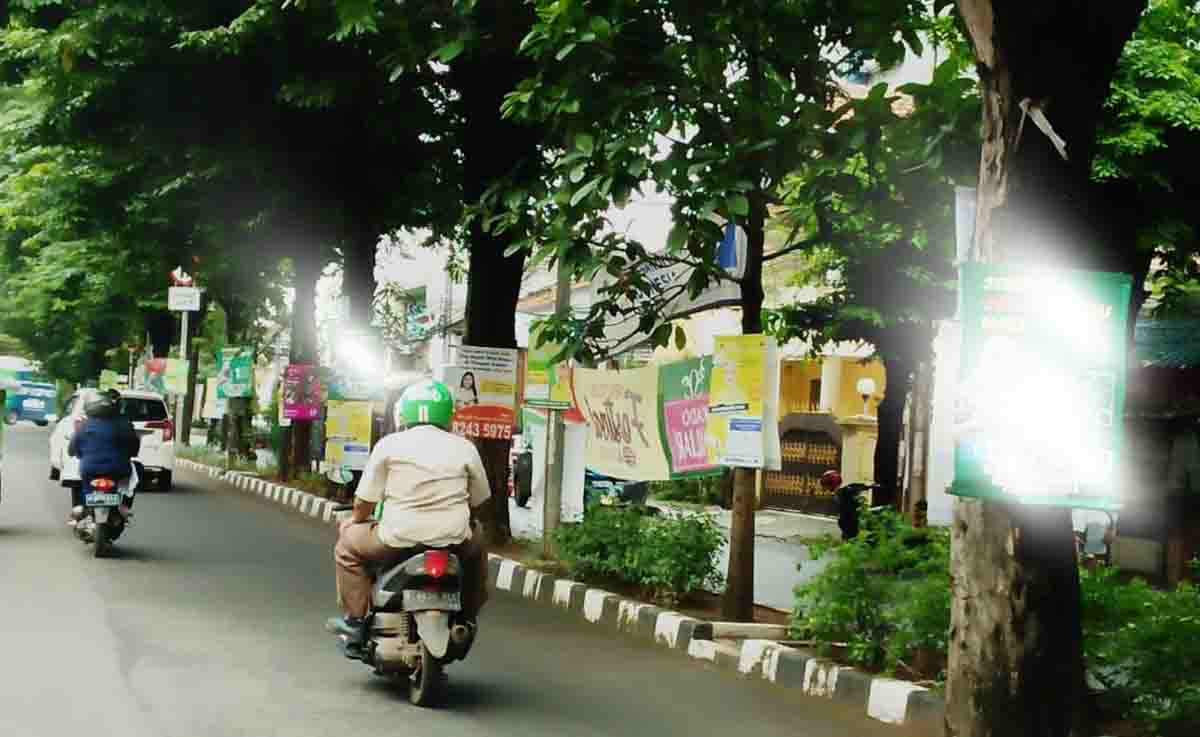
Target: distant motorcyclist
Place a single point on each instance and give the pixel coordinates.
(430, 482)
(105, 444)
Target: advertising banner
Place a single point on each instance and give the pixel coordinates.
(151, 377)
(348, 434)
(214, 406)
(235, 373)
(1041, 392)
(301, 392)
(175, 378)
(547, 384)
(743, 424)
(624, 439)
(484, 384)
(683, 386)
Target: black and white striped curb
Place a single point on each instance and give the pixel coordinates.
(307, 504)
(885, 699)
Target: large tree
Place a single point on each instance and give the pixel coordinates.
(1015, 655)
(714, 103)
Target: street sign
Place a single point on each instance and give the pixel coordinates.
(1041, 394)
(183, 299)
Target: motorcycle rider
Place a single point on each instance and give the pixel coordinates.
(105, 444)
(433, 485)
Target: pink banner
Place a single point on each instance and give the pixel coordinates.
(686, 420)
(301, 392)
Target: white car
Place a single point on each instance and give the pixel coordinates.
(150, 417)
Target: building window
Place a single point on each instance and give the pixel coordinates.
(814, 395)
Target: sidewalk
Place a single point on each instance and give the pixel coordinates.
(779, 545)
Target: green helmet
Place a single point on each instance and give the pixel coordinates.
(427, 402)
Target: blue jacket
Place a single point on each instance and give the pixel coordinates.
(105, 446)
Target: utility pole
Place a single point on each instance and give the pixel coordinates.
(555, 434)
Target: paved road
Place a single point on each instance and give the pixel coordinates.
(208, 624)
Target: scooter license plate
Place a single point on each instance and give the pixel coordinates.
(98, 499)
(441, 600)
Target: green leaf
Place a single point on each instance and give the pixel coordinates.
(680, 338)
(584, 191)
(661, 335)
(738, 205)
(585, 143)
(565, 51)
(578, 173)
(450, 51)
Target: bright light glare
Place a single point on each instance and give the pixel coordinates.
(355, 353)
(1033, 421)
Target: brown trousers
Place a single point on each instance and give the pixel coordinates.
(359, 549)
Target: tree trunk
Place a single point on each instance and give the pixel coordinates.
(358, 276)
(189, 399)
(891, 430)
(493, 149)
(1015, 666)
(738, 603)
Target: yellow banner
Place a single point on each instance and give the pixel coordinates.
(621, 409)
(347, 433)
(742, 414)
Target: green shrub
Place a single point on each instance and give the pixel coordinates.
(670, 557)
(676, 556)
(1143, 645)
(885, 594)
(602, 544)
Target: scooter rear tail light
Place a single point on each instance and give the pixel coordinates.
(436, 562)
(102, 484)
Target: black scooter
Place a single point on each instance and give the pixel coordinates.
(415, 627)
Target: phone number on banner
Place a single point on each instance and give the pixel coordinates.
(486, 430)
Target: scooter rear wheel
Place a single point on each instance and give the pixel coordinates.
(427, 685)
(103, 540)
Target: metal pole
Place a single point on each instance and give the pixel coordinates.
(183, 355)
(555, 435)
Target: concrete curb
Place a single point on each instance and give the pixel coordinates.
(884, 699)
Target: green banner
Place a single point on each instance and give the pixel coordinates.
(683, 413)
(235, 373)
(1041, 393)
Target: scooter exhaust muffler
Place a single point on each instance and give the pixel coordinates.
(460, 634)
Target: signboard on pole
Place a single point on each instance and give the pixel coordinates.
(743, 422)
(683, 386)
(175, 378)
(235, 373)
(183, 299)
(484, 385)
(152, 377)
(547, 383)
(624, 439)
(348, 434)
(301, 392)
(1041, 392)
